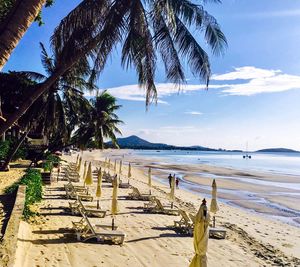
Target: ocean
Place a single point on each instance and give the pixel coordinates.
(271, 197)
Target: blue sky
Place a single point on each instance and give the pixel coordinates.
(254, 93)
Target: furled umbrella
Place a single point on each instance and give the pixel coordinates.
(89, 176)
(213, 204)
(108, 165)
(105, 164)
(120, 168)
(79, 165)
(84, 171)
(149, 179)
(115, 167)
(114, 203)
(129, 172)
(201, 236)
(99, 187)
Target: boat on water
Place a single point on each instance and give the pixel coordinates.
(247, 155)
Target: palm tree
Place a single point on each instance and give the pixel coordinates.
(15, 24)
(101, 123)
(95, 27)
(15, 18)
(64, 102)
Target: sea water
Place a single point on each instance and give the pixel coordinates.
(271, 163)
(277, 163)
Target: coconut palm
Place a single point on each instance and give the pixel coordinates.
(102, 122)
(15, 18)
(64, 102)
(95, 27)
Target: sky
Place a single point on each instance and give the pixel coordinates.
(254, 91)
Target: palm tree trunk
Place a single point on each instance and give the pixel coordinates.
(12, 152)
(40, 89)
(43, 87)
(16, 24)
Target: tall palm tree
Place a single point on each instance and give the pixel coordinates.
(95, 27)
(15, 24)
(101, 123)
(64, 102)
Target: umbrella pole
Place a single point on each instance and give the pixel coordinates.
(97, 204)
(172, 203)
(214, 221)
(113, 223)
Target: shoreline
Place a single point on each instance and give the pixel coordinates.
(258, 192)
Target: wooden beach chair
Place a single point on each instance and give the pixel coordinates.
(72, 194)
(185, 224)
(76, 206)
(136, 195)
(155, 206)
(85, 231)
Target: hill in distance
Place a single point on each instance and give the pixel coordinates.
(135, 142)
(282, 150)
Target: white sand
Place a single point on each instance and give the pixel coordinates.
(251, 240)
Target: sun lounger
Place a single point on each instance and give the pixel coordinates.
(217, 233)
(136, 195)
(85, 231)
(72, 194)
(155, 206)
(185, 224)
(88, 211)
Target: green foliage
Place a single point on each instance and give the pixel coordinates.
(50, 161)
(4, 149)
(33, 181)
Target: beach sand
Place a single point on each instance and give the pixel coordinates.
(252, 239)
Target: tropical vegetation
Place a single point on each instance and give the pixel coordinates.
(92, 31)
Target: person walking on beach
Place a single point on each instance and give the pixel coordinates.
(170, 179)
(177, 183)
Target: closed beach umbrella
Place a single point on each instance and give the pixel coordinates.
(201, 237)
(149, 179)
(84, 171)
(213, 204)
(99, 184)
(172, 193)
(79, 165)
(99, 187)
(129, 171)
(114, 203)
(120, 169)
(115, 167)
(89, 177)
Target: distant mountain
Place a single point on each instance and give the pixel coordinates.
(135, 142)
(282, 150)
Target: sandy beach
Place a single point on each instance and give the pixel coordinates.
(252, 240)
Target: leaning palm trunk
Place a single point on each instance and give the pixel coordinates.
(13, 151)
(43, 87)
(16, 23)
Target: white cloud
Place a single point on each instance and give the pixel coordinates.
(260, 81)
(135, 93)
(193, 113)
(275, 14)
(244, 81)
(245, 73)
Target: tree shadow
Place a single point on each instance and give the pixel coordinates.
(8, 202)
